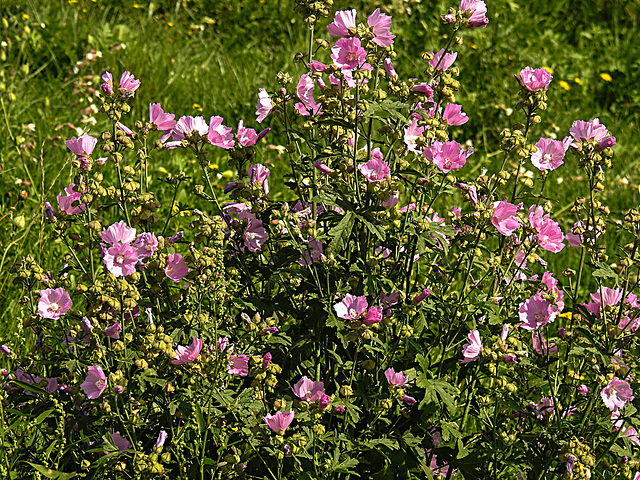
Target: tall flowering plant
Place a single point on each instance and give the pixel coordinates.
(396, 316)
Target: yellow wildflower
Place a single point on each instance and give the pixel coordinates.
(606, 77)
(564, 85)
(578, 80)
(549, 69)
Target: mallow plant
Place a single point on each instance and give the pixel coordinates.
(395, 317)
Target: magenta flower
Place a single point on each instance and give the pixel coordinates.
(583, 390)
(441, 60)
(187, 354)
(534, 79)
(264, 106)
(121, 259)
(308, 390)
(376, 169)
(129, 83)
(504, 217)
(4, 349)
(107, 86)
(380, 25)
(146, 243)
(279, 422)
(312, 253)
(95, 383)
(454, 115)
(113, 331)
(388, 67)
(162, 121)
(118, 232)
(348, 54)
(221, 343)
(471, 351)
(322, 167)
(351, 307)
(575, 240)
(54, 303)
(549, 153)
(266, 360)
(254, 235)
(541, 346)
(82, 146)
(398, 380)
(536, 312)
(616, 394)
(446, 156)
(238, 365)
(258, 174)
(374, 315)
(219, 135)
(176, 267)
(120, 442)
(550, 236)
(478, 11)
(65, 202)
(304, 90)
(591, 131)
(324, 401)
(344, 23)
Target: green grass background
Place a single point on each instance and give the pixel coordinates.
(209, 57)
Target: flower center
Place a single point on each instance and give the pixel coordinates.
(54, 307)
(119, 259)
(351, 56)
(546, 158)
(100, 383)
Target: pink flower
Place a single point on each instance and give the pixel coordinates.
(54, 303)
(238, 365)
(376, 169)
(219, 135)
(540, 345)
(441, 60)
(340, 409)
(504, 217)
(4, 349)
(423, 88)
(65, 202)
(583, 390)
(471, 351)
(248, 136)
(324, 401)
(162, 121)
(176, 267)
(258, 174)
(591, 131)
(478, 11)
(398, 380)
(380, 25)
(322, 167)
(187, 354)
(118, 232)
(279, 422)
(536, 312)
(343, 24)
(129, 83)
(446, 156)
(120, 442)
(82, 146)
(549, 153)
(351, 307)
(162, 437)
(374, 315)
(411, 134)
(264, 106)
(534, 79)
(550, 236)
(454, 115)
(312, 253)
(146, 243)
(121, 259)
(254, 235)
(616, 394)
(190, 128)
(308, 390)
(221, 343)
(107, 86)
(388, 67)
(112, 331)
(95, 382)
(348, 54)
(304, 90)
(606, 297)
(421, 296)
(266, 360)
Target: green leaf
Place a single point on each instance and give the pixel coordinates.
(346, 465)
(31, 388)
(437, 392)
(374, 228)
(50, 473)
(342, 231)
(604, 271)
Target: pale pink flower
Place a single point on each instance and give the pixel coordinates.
(322, 167)
(258, 174)
(304, 90)
(187, 354)
(279, 422)
(441, 60)
(163, 121)
(351, 307)
(118, 232)
(107, 86)
(121, 259)
(65, 202)
(187, 127)
(423, 88)
(120, 442)
(380, 25)
(446, 156)
(162, 438)
(308, 390)
(82, 146)
(128, 82)
(388, 67)
(348, 54)
(616, 394)
(398, 380)
(454, 115)
(550, 236)
(376, 169)
(606, 297)
(505, 217)
(549, 153)
(540, 345)
(176, 267)
(344, 23)
(471, 351)
(591, 131)
(311, 253)
(374, 315)
(536, 312)
(54, 303)
(534, 79)
(95, 382)
(248, 136)
(113, 331)
(238, 365)
(255, 235)
(146, 243)
(478, 11)
(219, 135)
(264, 106)
(411, 134)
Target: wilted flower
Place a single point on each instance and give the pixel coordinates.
(146, 243)
(471, 351)
(53, 303)
(162, 437)
(187, 354)
(95, 382)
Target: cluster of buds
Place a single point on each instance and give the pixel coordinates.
(264, 372)
(312, 9)
(514, 140)
(579, 459)
(154, 344)
(28, 272)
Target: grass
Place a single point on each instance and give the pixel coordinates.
(210, 57)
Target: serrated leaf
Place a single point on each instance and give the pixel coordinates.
(374, 228)
(437, 392)
(604, 271)
(342, 232)
(50, 473)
